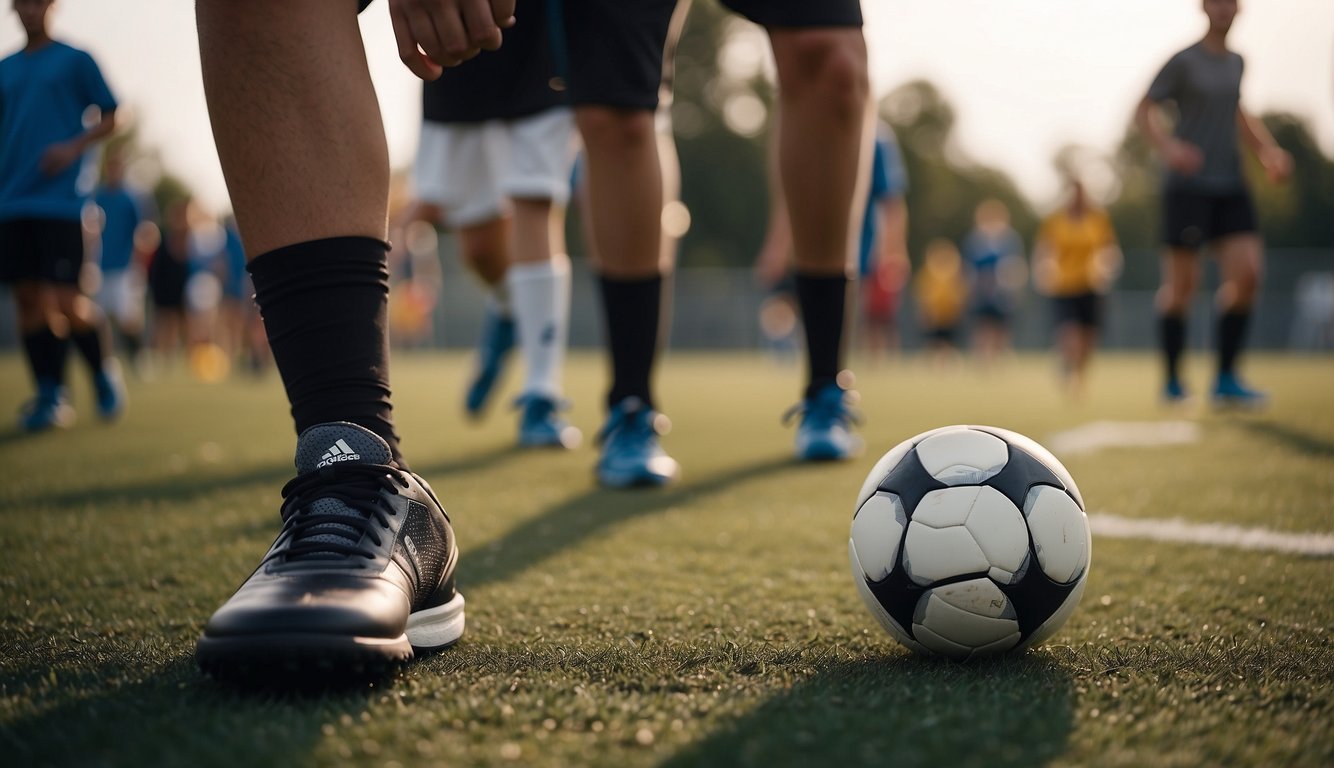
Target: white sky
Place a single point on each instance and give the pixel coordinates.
(1025, 76)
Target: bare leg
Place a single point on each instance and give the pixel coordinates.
(311, 162)
(625, 190)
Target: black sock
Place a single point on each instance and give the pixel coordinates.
(1231, 333)
(46, 355)
(1172, 330)
(633, 312)
(823, 300)
(325, 309)
(89, 344)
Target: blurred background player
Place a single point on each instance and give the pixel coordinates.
(993, 256)
(941, 289)
(1075, 260)
(1205, 198)
(46, 176)
(168, 275)
(122, 264)
(363, 570)
(616, 56)
(494, 164)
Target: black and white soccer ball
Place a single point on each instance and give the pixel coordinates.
(970, 541)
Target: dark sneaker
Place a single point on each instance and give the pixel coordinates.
(110, 388)
(361, 574)
(825, 431)
(631, 453)
(540, 424)
(50, 409)
(1174, 393)
(1230, 392)
(493, 351)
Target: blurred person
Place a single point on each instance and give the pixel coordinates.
(363, 569)
(616, 60)
(1206, 201)
(993, 253)
(494, 164)
(941, 289)
(46, 176)
(169, 272)
(122, 293)
(1075, 260)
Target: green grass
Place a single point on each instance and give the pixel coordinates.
(714, 623)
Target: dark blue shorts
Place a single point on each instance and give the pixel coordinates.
(41, 250)
(1195, 219)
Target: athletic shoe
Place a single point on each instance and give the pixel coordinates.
(825, 432)
(1230, 392)
(631, 454)
(50, 409)
(540, 424)
(110, 387)
(1174, 393)
(492, 352)
(360, 575)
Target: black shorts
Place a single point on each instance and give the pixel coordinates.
(41, 250)
(616, 47)
(1195, 219)
(1084, 310)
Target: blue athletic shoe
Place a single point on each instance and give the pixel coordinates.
(49, 410)
(492, 351)
(631, 455)
(540, 424)
(110, 387)
(1230, 392)
(825, 432)
(1174, 393)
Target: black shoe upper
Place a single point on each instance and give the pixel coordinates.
(363, 544)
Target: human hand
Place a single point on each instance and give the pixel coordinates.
(1183, 157)
(434, 34)
(1276, 162)
(58, 157)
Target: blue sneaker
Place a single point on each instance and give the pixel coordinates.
(110, 387)
(631, 455)
(49, 410)
(492, 351)
(540, 424)
(825, 432)
(1174, 393)
(1230, 392)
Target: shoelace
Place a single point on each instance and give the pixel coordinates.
(308, 533)
(824, 410)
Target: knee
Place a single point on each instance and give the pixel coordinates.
(613, 131)
(829, 65)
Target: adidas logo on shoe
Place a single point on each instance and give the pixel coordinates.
(339, 451)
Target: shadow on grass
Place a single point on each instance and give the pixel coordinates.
(1290, 437)
(572, 521)
(903, 711)
(109, 714)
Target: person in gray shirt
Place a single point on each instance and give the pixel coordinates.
(1205, 197)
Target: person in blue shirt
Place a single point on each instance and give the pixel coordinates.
(45, 90)
(122, 289)
(882, 262)
(993, 257)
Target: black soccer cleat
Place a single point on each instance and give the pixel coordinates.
(361, 574)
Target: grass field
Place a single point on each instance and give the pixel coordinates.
(713, 623)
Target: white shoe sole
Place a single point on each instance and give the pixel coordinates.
(437, 627)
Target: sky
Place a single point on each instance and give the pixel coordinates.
(1026, 77)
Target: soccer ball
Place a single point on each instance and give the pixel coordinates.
(970, 541)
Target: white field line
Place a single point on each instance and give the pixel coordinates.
(1097, 435)
(1211, 534)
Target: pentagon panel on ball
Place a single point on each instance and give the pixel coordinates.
(970, 541)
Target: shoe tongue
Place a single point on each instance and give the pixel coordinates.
(327, 445)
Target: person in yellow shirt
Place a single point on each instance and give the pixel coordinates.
(942, 290)
(1075, 261)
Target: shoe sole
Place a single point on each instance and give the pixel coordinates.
(635, 481)
(309, 661)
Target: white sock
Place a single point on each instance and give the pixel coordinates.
(541, 302)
